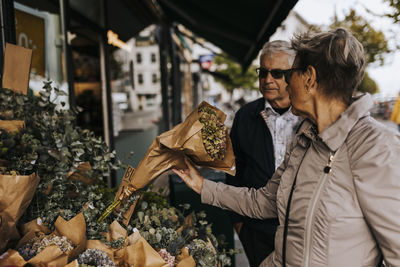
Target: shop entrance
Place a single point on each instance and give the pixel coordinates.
(87, 79)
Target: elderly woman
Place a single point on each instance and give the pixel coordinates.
(337, 193)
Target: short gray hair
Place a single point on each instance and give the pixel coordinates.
(338, 58)
(277, 46)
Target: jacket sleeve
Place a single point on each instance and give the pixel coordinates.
(254, 203)
(376, 172)
(236, 180)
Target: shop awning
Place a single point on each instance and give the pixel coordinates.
(239, 28)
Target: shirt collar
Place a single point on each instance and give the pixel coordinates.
(269, 107)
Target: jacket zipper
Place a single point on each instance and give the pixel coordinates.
(310, 215)
(309, 221)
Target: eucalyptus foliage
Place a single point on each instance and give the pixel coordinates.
(52, 146)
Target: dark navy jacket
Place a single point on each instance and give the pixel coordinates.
(254, 152)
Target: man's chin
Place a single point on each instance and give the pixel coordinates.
(269, 94)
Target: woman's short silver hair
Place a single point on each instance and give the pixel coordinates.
(338, 58)
(278, 46)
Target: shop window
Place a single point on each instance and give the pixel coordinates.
(138, 58)
(140, 78)
(154, 78)
(153, 57)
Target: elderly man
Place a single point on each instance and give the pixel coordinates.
(260, 133)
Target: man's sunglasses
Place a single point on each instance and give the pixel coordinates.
(277, 73)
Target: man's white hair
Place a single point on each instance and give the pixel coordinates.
(277, 46)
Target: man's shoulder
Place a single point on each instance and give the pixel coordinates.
(252, 107)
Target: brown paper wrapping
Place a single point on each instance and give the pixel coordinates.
(187, 222)
(12, 125)
(139, 253)
(136, 250)
(12, 258)
(33, 226)
(50, 256)
(79, 174)
(185, 260)
(97, 244)
(72, 264)
(168, 151)
(30, 230)
(116, 231)
(16, 68)
(16, 192)
(75, 231)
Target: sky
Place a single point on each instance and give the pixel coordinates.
(321, 12)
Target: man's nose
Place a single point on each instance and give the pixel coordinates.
(269, 78)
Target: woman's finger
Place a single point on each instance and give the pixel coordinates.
(181, 173)
(189, 164)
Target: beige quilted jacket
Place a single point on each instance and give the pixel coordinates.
(348, 216)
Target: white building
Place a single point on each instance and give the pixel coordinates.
(293, 24)
(141, 65)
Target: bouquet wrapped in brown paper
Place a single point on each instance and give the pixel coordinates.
(66, 242)
(133, 250)
(139, 253)
(187, 139)
(50, 256)
(16, 192)
(185, 260)
(202, 137)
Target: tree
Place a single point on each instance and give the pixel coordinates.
(233, 70)
(368, 85)
(374, 41)
(395, 5)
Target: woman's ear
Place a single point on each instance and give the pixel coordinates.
(310, 78)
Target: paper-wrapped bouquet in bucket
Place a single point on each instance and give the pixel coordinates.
(202, 137)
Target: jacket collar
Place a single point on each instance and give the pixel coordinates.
(335, 134)
(260, 106)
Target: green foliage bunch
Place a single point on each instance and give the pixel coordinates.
(51, 145)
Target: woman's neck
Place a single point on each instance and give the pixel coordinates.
(326, 112)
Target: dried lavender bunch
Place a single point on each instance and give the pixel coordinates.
(213, 133)
(39, 243)
(95, 257)
(202, 253)
(170, 260)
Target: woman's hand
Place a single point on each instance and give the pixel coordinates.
(191, 176)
